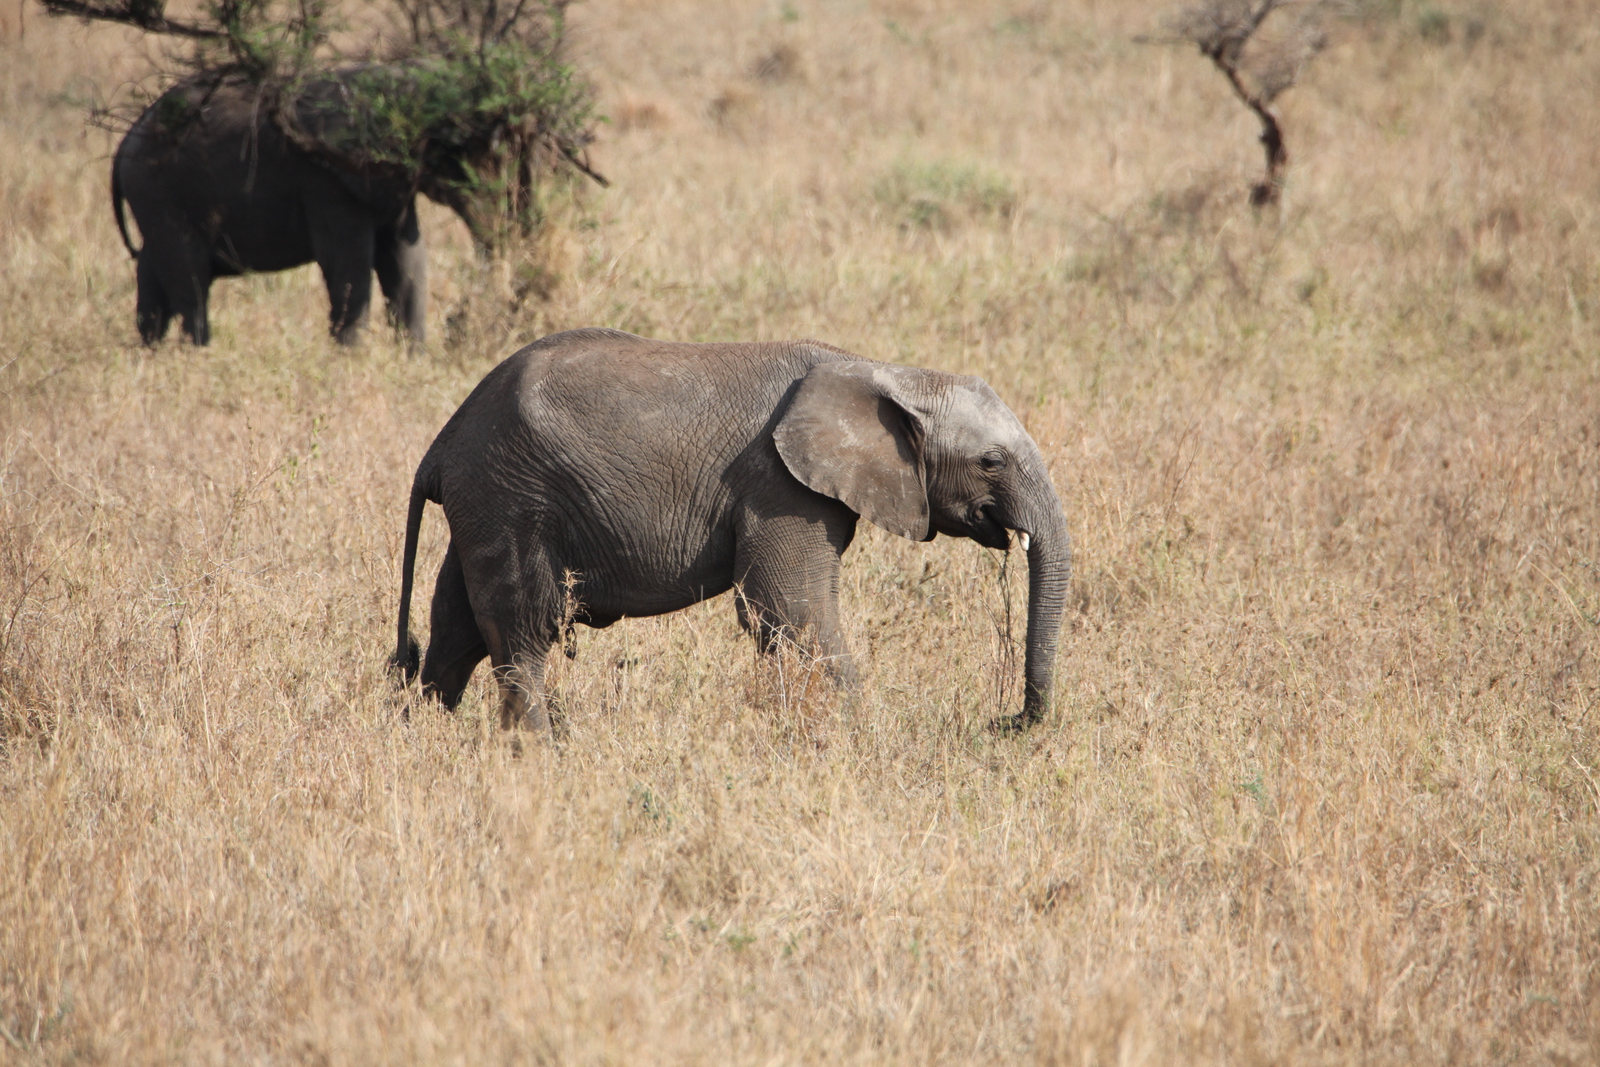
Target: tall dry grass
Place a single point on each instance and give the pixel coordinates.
(1322, 781)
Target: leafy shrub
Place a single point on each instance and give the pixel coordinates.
(457, 82)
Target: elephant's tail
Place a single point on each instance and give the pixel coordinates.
(407, 655)
(116, 205)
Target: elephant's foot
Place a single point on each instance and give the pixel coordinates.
(520, 713)
(537, 723)
(522, 701)
(1010, 725)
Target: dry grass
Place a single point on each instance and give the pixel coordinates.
(1323, 781)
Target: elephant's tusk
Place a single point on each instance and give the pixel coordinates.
(1022, 539)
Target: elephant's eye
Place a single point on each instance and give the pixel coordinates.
(993, 460)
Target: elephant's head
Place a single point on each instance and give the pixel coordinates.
(922, 452)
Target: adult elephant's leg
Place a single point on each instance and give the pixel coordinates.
(342, 238)
(786, 574)
(180, 268)
(197, 316)
(152, 311)
(455, 645)
(402, 264)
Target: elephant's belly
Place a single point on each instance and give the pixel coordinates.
(605, 603)
(651, 578)
(644, 561)
(241, 250)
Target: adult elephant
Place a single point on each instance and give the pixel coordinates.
(220, 187)
(653, 475)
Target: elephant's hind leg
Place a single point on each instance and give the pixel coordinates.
(518, 606)
(174, 278)
(152, 311)
(342, 242)
(455, 644)
(519, 660)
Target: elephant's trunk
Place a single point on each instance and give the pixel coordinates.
(1049, 568)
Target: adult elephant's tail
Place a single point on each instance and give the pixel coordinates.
(116, 205)
(407, 654)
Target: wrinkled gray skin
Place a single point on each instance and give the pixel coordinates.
(219, 190)
(660, 474)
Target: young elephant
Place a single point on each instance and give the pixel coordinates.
(659, 474)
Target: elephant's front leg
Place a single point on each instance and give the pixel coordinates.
(786, 575)
(402, 264)
(342, 240)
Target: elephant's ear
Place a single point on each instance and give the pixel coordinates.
(850, 432)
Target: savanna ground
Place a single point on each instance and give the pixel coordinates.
(1321, 784)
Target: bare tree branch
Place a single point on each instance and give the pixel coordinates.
(582, 163)
(147, 16)
(1222, 29)
(1268, 191)
(511, 20)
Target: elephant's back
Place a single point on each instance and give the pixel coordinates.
(619, 382)
(198, 146)
(192, 113)
(605, 397)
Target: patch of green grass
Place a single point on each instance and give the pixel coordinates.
(939, 194)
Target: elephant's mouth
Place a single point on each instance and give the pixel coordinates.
(989, 528)
(985, 524)
(1009, 535)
